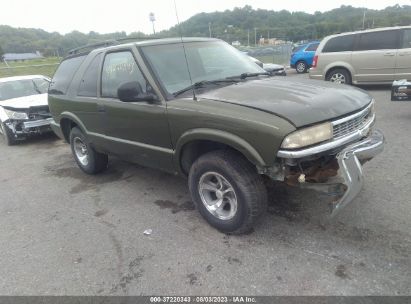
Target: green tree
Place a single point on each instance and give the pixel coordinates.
(1, 53)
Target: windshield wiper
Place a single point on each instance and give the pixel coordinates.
(246, 75)
(202, 83)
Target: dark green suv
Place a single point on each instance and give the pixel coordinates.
(202, 109)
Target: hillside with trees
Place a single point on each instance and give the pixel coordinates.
(229, 25)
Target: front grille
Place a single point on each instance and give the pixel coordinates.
(352, 125)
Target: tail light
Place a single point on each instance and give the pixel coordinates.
(315, 61)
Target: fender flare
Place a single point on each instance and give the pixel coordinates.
(219, 136)
(73, 118)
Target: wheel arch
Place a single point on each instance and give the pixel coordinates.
(195, 143)
(339, 65)
(67, 122)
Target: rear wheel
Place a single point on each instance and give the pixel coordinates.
(7, 135)
(89, 160)
(339, 76)
(227, 191)
(301, 67)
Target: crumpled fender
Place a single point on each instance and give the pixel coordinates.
(3, 115)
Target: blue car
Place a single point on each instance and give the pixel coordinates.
(302, 56)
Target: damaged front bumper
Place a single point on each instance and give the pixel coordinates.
(20, 129)
(342, 176)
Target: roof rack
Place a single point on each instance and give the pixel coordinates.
(90, 47)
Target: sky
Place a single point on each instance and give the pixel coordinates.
(133, 15)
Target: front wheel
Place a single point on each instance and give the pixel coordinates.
(227, 191)
(339, 76)
(8, 137)
(89, 160)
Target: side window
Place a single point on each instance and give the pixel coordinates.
(383, 40)
(339, 44)
(118, 69)
(64, 74)
(88, 84)
(312, 47)
(406, 39)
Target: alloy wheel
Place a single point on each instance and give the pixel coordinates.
(337, 78)
(218, 195)
(81, 151)
(301, 67)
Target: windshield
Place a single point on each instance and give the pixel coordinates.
(25, 87)
(207, 61)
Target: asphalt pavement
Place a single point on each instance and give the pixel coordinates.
(66, 233)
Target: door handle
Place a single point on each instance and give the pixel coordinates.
(101, 109)
(389, 54)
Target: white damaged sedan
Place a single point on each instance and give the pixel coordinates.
(24, 108)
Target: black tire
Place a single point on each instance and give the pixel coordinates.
(96, 162)
(248, 188)
(342, 74)
(301, 67)
(7, 135)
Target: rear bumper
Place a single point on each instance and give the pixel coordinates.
(313, 74)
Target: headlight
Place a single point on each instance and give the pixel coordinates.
(308, 136)
(372, 109)
(16, 115)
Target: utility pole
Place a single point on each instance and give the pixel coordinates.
(363, 20)
(255, 36)
(152, 19)
(209, 28)
(248, 37)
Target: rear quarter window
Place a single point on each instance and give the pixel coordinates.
(339, 44)
(312, 48)
(64, 74)
(297, 48)
(383, 40)
(88, 83)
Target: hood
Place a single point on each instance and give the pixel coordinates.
(273, 66)
(300, 101)
(25, 102)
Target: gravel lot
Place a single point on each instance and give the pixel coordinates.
(65, 233)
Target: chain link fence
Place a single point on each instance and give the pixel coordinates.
(279, 54)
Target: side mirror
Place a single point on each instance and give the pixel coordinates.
(132, 91)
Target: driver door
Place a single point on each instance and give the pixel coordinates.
(136, 131)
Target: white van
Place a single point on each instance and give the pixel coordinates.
(376, 56)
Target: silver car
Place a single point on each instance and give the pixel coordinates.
(24, 108)
(376, 56)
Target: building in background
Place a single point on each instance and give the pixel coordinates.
(22, 56)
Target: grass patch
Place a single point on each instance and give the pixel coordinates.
(46, 67)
